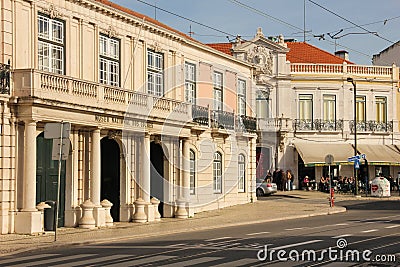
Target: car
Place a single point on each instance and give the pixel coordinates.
(265, 188)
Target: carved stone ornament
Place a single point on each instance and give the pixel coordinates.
(111, 32)
(261, 58)
(112, 134)
(156, 47)
(52, 12)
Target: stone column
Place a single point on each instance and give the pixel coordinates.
(183, 201)
(143, 208)
(28, 221)
(95, 179)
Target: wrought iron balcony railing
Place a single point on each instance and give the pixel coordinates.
(247, 123)
(324, 125)
(304, 125)
(372, 126)
(200, 114)
(5, 78)
(222, 119)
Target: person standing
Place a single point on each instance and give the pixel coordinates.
(289, 177)
(284, 180)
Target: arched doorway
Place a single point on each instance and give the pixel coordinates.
(157, 174)
(110, 175)
(47, 175)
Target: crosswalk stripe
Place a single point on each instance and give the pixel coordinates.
(237, 263)
(392, 226)
(369, 231)
(259, 233)
(142, 261)
(192, 262)
(340, 236)
(219, 238)
(91, 261)
(54, 259)
(33, 257)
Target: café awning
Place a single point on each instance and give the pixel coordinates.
(380, 154)
(313, 154)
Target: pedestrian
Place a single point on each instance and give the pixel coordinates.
(284, 180)
(289, 177)
(279, 179)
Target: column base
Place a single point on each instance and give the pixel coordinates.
(126, 213)
(181, 211)
(99, 216)
(149, 211)
(140, 215)
(72, 217)
(28, 222)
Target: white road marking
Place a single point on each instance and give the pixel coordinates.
(54, 259)
(259, 233)
(339, 224)
(192, 262)
(298, 244)
(15, 260)
(369, 231)
(92, 261)
(219, 238)
(143, 261)
(237, 263)
(392, 226)
(176, 245)
(340, 236)
(291, 229)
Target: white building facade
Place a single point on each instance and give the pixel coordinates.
(161, 125)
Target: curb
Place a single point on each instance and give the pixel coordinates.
(64, 243)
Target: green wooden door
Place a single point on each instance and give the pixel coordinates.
(47, 176)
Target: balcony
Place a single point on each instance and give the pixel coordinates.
(372, 126)
(64, 89)
(246, 123)
(329, 126)
(304, 125)
(200, 115)
(5, 78)
(222, 119)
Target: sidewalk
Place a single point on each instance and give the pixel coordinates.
(265, 210)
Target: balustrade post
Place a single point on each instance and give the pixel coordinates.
(100, 95)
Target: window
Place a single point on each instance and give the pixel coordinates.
(190, 83)
(241, 174)
(306, 107)
(217, 173)
(192, 172)
(262, 102)
(381, 109)
(155, 73)
(109, 61)
(241, 97)
(51, 44)
(329, 108)
(218, 91)
(360, 108)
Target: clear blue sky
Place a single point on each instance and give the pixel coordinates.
(229, 17)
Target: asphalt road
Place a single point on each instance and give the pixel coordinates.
(368, 231)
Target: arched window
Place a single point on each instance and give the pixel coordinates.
(192, 172)
(241, 173)
(217, 173)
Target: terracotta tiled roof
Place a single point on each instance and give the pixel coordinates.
(298, 53)
(301, 52)
(223, 47)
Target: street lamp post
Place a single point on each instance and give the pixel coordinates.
(355, 131)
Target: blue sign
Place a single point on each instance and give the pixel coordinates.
(356, 158)
(356, 164)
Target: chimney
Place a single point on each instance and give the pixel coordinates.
(342, 54)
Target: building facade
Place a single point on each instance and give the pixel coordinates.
(161, 125)
(307, 109)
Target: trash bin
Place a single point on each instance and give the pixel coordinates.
(50, 216)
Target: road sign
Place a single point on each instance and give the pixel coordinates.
(53, 130)
(354, 158)
(55, 153)
(329, 159)
(363, 156)
(356, 164)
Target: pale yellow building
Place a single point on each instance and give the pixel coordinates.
(161, 125)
